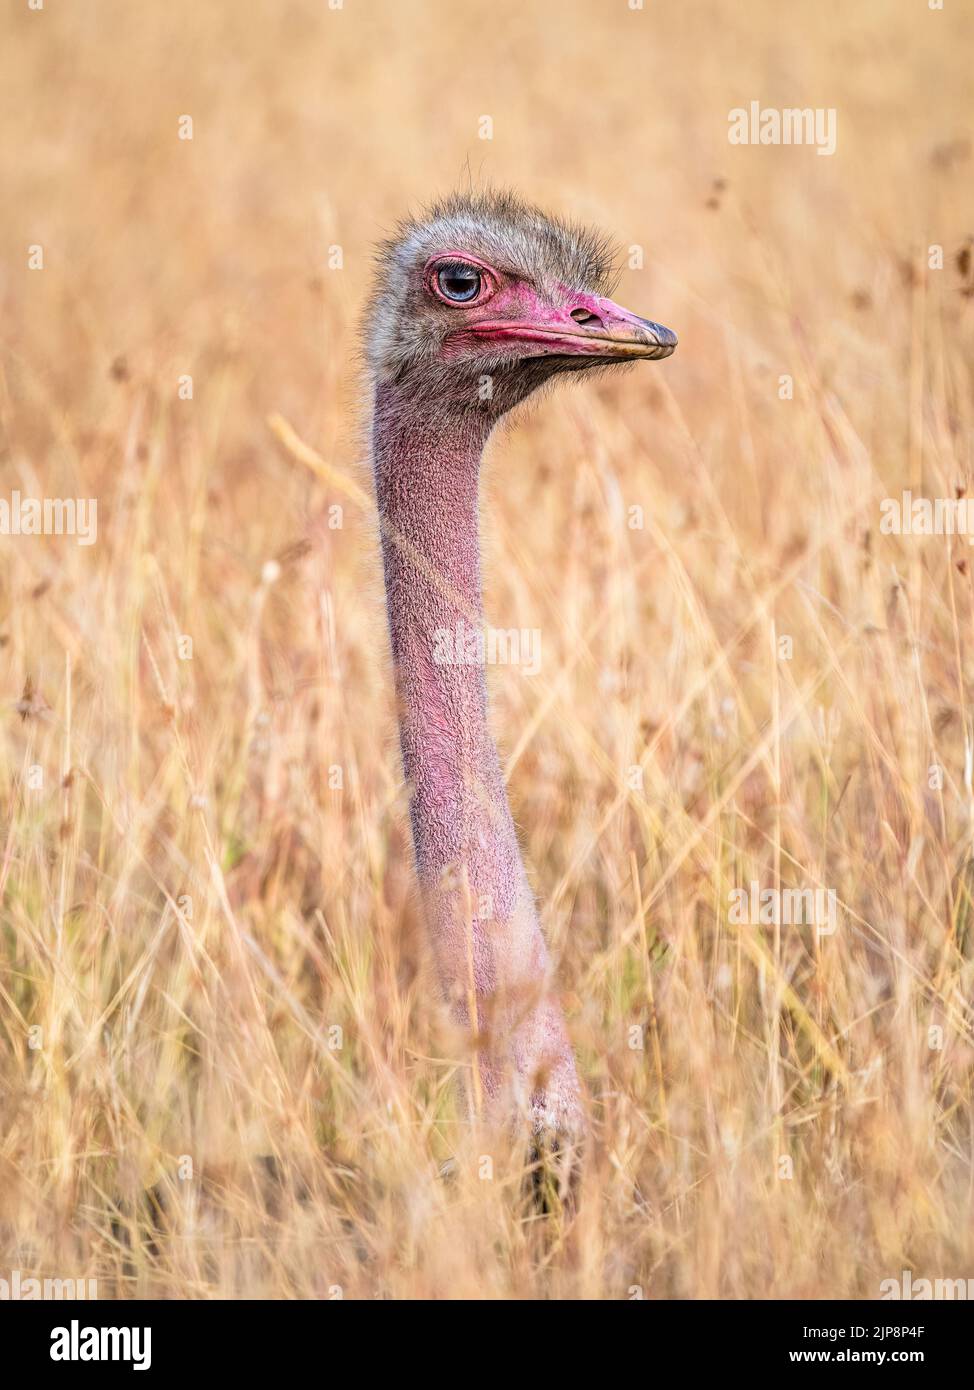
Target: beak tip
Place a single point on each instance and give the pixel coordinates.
(664, 338)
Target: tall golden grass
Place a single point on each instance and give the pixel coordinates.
(224, 1072)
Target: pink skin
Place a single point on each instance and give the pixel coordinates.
(484, 925)
(517, 314)
(487, 939)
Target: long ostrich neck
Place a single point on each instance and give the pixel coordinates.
(427, 482)
(485, 929)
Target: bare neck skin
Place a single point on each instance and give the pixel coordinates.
(489, 949)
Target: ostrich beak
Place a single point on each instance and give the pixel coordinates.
(602, 328)
(586, 325)
(629, 337)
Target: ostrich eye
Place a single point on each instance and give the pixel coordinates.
(458, 282)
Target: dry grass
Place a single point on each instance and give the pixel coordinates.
(189, 908)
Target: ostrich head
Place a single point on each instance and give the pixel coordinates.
(484, 299)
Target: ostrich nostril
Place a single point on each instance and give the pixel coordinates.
(590, 320)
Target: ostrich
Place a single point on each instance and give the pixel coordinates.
(477, 303)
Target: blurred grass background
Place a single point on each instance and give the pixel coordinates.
(222, 1070)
